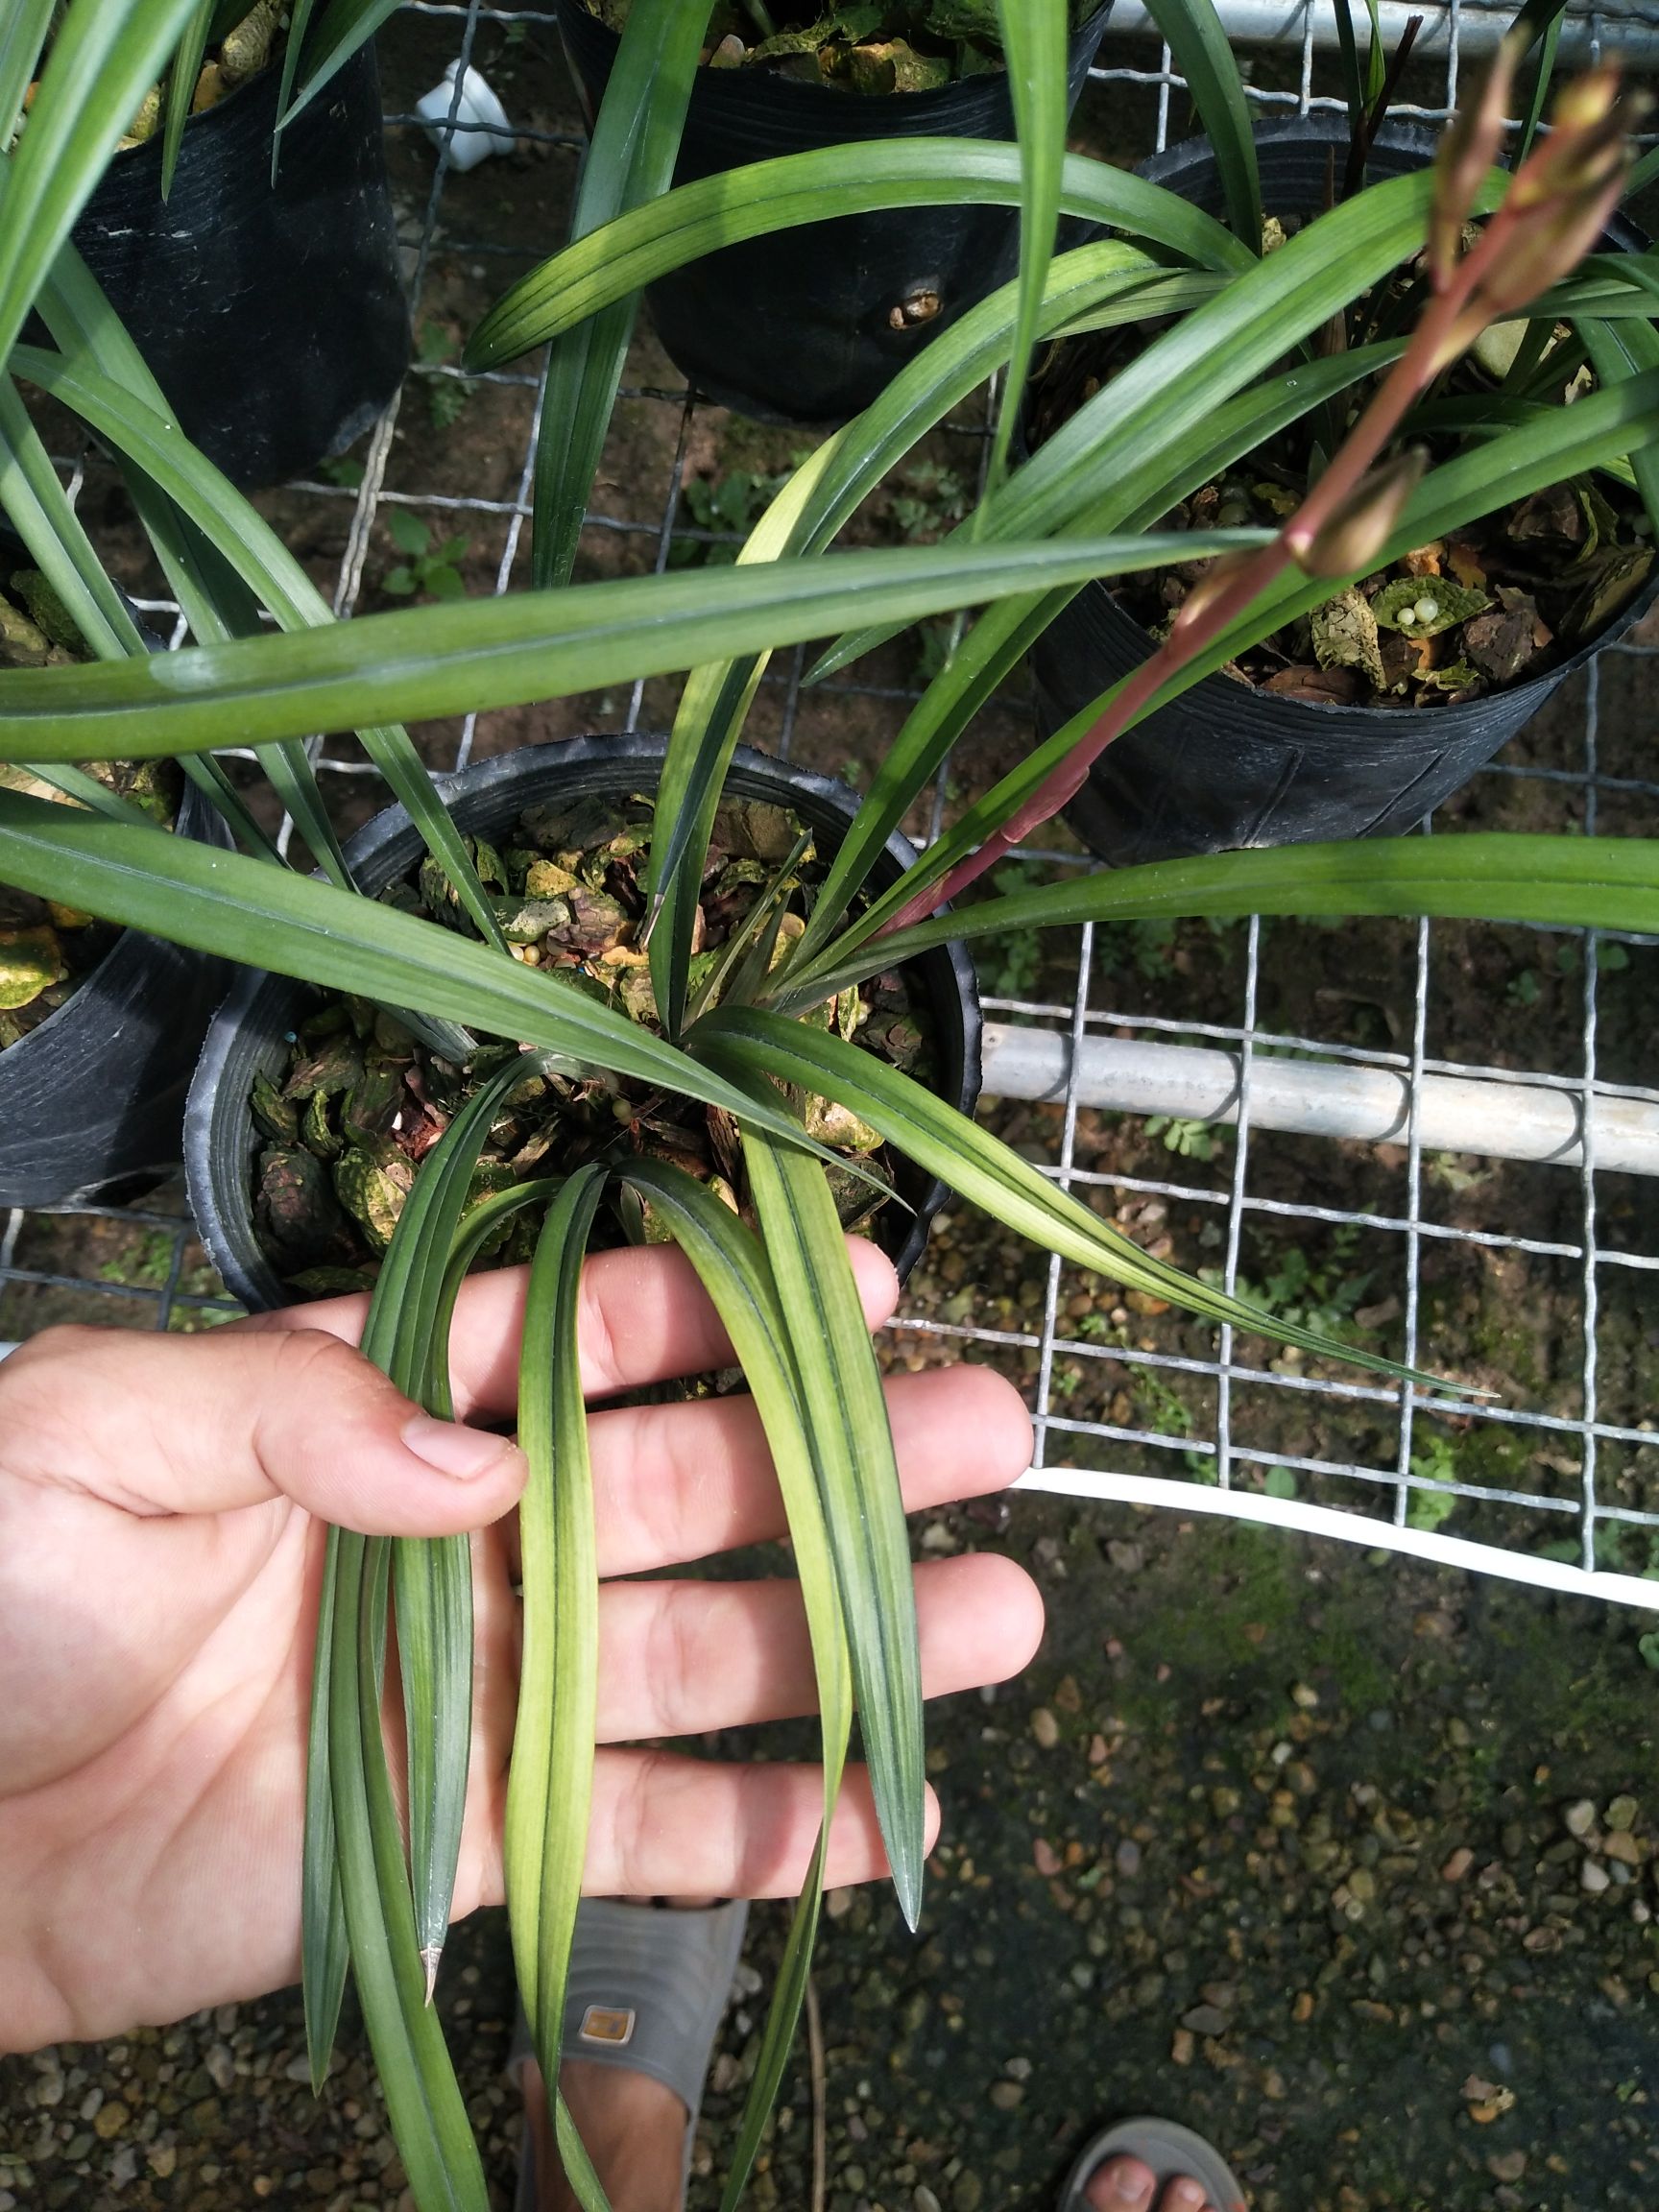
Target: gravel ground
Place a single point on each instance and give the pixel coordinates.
(1345, 1863)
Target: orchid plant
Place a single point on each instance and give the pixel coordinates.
(378, 1888)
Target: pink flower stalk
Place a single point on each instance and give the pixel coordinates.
(1556, 207)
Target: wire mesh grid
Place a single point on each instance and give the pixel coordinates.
(1419, 1253)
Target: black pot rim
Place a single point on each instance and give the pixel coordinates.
(1325, 128)
(391, 826)
(823, 98)
(196, 815)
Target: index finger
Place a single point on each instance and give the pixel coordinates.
(644, 1318)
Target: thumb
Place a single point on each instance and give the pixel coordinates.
(201, 1425)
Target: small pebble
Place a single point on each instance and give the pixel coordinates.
(1621, 1814)
(1593, 1877)
(1045, 1729)
(1458, 1864)
(1581, 1817)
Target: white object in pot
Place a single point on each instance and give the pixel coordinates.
(480, 121)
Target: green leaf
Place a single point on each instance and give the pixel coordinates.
(39, 510)
(429, 2119)
(298, 24)
(845, 1410)
(1168, 394)
(1619, 352)
(1624, 416)
(23, 28)
(1567, 881)
(1142, 485)
(181, 77)
(1035, 43)
(550, 1782)
(750, 1043)
(342, 27)
(1193, 31)
(734, 1272)
(1539, 22)
(253, 551)
(623, 257)
(324, 1950)
(270, 917)
(630, 163)
(218, 606)
(482, 653)
(432, 1577)
(707, 725)
(105, 55)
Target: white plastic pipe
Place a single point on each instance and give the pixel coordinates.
(1630, 27)
(1500, 1121)
(1350, 1527)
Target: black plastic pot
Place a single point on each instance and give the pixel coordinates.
(251, 1032)
(1227, 765)
(272, 317)
(92, 1102)
(800, 328)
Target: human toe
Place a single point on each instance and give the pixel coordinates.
(1121, 2185)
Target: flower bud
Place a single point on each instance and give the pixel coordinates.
(1354, 535)
(1549, 242)
(1472, 142)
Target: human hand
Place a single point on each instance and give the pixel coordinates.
(161, 1510)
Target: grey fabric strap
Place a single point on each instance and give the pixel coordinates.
(648, 1987)
(647, 1990)
(1170, 2150)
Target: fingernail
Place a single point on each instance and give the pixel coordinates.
(463, 1455)
(1130, 2184)
(1186, 2195)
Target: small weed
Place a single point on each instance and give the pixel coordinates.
(1143, 945)
(932, 499)
(1648, 1646)
(1610, 959)
(1435, 1462)
(447, 397)
(429, 564)
(1524, 989)
(145, 1269)
(1165, 1412)
(731, 505)
(935, 642)
(343, 471)
(1280, 1482)
(1192, 1140)
(1322, 1296)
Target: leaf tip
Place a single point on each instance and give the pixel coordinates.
(430, 1953)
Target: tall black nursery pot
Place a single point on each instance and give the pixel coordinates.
(1226, 765)
(250, 1031)
(92, 1103)
(272, 317)
(800, 328)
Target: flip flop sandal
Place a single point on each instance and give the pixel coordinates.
(1173, 2152)
(648, 1987)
